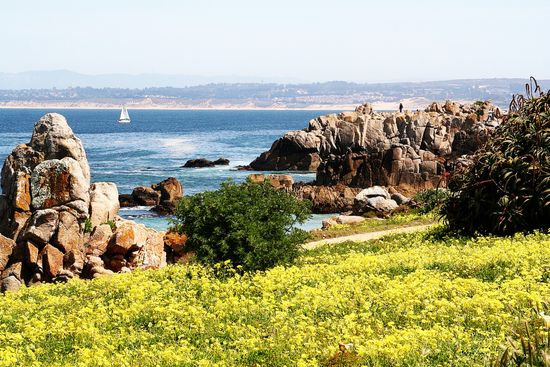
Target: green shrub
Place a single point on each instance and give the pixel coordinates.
(430, 200)
(88, 225)
(251, 225)
(111, 224)
(507, 188)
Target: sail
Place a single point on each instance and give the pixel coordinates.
(124, 115)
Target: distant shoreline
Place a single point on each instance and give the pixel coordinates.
(190, 108)
(409, 104)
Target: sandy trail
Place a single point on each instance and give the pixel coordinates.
(361, 237)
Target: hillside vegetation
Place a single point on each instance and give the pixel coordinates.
(507, 187)
(411, 300)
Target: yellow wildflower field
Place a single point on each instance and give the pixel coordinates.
(407, 300)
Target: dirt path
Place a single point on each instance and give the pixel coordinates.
(365, 236)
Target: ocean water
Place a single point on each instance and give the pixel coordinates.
(157, 143)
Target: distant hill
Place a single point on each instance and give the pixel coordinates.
(62, 79)
(266, 95)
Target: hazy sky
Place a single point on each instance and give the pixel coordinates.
(319, 40)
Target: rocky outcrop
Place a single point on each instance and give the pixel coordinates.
(162, 196)
(327, 199)
(55, 226)
(143, 195)
(170, 190)
(364, 148)
(296, 150)
(203, 162)
(277, 181)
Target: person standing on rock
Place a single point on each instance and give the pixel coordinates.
(400, 107)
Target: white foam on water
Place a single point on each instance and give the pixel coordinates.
(136, 208)
(177, 145)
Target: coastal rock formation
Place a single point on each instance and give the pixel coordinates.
(277, 181)
(327, 199)
(55, 226)
(364, 148)
(162, 196)
(170, 190)
(203, 162)
(143, 195)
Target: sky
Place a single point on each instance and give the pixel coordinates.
(298, 40)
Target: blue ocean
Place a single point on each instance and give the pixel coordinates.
(157, 143)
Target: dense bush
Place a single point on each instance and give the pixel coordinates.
(430, 200)
(507, 188)
(251, 225)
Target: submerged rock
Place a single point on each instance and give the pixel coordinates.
(162, 196)
(203, 162)
(144, 195)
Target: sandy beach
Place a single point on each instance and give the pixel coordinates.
(409, 104)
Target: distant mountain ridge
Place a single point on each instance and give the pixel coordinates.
(62, 79)
(264, 95)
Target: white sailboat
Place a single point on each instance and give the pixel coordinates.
(124, 117)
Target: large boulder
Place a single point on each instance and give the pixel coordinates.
(296, 150)
(162, 196)
(144, 195)
(151, 255)
(376, 204)
(327, 199)
(170, 189)
(342, 219)
(127, 236)
(99, 240)
(10, 284)
(15, 202)
(60, 182)
(277, 181)
(69, 233)
(104, 203)
(54, 138)
(376, 199)
(16, 172)
(221, 162)
(6, 248)
(41, 227)
(372, 192)
(52, 260)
